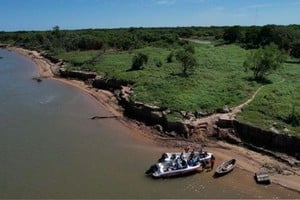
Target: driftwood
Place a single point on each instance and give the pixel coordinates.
(37, 79)
(103, 117)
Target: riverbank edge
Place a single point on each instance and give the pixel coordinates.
(48, 69)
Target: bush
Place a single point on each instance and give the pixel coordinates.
(158, 63)
(295, 50)
(170, 57)
(138, 61)
(264, 61)
(293, 118)
(188, 61)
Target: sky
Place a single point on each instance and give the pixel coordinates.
(17, 15)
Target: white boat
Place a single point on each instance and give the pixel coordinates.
(164, 170)
(226, 167)
(178, 163)
(171, 156)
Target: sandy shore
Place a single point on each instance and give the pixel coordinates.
(247, 160)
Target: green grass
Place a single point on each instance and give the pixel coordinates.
(77, 56)
(78, 60)
(275, 102)
(219, 80)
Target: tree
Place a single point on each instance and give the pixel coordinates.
(283, 38)
(189, 48)
(267, 34)
(138, 61)
(233, 34)
(185, 32)
(263, 61)
(56, 31)
(252, 37)
(89, 42)
(295, 49)
(187, 60)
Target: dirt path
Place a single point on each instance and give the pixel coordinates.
(197, 41)
(239, 108)
(207, 123)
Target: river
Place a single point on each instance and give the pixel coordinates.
(49, 148)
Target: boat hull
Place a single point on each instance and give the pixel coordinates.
(168, 166)
(176, 173)
(225, 167)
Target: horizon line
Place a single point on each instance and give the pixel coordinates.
(144, 27)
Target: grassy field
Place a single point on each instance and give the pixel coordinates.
(219, 80)
(275, 102)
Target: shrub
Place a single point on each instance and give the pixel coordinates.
(264, 61)
(138, 61)
(170, 57)
(158, 63)
(293, 118)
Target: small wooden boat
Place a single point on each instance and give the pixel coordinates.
(226, 167)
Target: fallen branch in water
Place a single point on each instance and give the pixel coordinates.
(103, 117)
(37, 79)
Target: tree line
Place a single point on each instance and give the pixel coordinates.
(287, 38)
(90, 39)
(269, 40)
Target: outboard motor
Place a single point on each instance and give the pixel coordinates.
(151, 170)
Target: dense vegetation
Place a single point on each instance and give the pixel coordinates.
(203, 75)
(287, 38)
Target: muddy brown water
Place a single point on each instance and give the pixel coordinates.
(49, 148)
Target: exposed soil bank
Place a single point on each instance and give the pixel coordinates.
(182, 134)
(262, 139)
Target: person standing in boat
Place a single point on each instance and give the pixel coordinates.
(191, 158)
(186, 149)
(212, 162)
